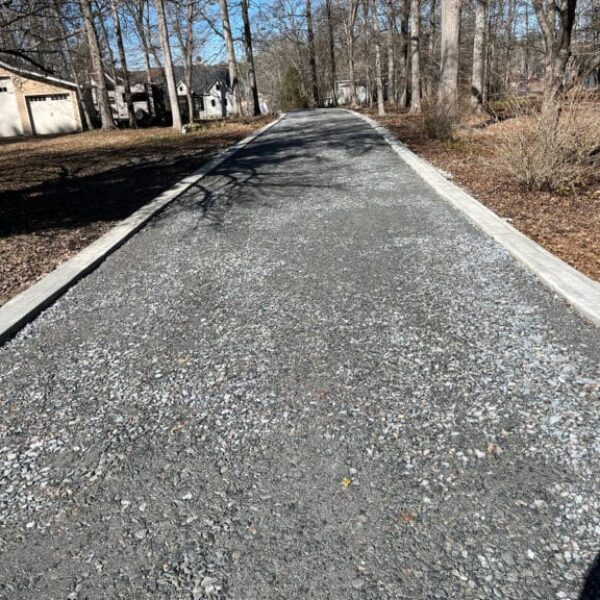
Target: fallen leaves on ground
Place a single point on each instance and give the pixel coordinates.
(568, 225)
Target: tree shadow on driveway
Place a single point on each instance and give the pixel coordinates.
(278, 165)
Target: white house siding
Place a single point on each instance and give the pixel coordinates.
(10, 119)
(118, 104)
(216, 102)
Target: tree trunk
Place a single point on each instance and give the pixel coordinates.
(431, 59)
(331, 51)
(350, 41)
(509, 42)
(234, 82)
(137, 12)
(561, 15)
(378, 75)
(312, 54)
(112, 68)
(189, 60)
(186, 45)
(250, 59)
(391, 53)
(448, 87)
(526, 52)
(123, 61)
(478, 54)
(106, 119)
(168, 63)
(415, 18)
(404, 34)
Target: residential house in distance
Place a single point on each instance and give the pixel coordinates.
(211, 93)
(34, 103)
(343, 95)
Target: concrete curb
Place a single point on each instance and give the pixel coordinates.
(24, 307)
(581, 292)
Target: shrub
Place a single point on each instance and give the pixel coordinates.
(555, 148)
(292, 95)
(439, 122)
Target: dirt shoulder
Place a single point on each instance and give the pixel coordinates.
(58, 195)
(567, 225)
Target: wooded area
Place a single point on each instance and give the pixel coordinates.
(297, 53)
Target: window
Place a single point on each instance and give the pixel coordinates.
(213, 103)
(218, 87)
(4, 84)
(48, 97)
(139, 97)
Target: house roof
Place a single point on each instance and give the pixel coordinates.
(29, 74)
(203, 76)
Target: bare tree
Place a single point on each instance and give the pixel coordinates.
(350, 37)
(136, 10)
(391, 51)
(123, 60)
(448, 85)
(378, 74)
(250, 58)
(331, 41)
(478, 54)
(312, 54)
(98, 73)
(168, 63)
(404, 22)
(415, 21)
(234, 82)
(185, 39)
(556, 21)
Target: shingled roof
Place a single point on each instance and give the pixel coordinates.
(203, 77)
(29, 73)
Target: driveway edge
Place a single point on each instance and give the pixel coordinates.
(581, 292)
(24, 307)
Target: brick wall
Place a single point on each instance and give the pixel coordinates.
(33, 87)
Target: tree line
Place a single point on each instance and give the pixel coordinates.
(296, 53)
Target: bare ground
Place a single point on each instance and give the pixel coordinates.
(59, 194)
(566, 224)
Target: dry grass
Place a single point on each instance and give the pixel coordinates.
(554, 149)
(439, 122)
(567, 224)
(59, 194)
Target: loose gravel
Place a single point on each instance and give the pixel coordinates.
(308, 378)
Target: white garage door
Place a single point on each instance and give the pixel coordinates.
(52, 114)
(10, 120)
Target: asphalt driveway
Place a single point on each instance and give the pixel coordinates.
(309, 378)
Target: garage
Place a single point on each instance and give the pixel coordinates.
(10, 121)
(52, 114)
(33, 103)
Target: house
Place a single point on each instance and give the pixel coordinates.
(344, 95)
(33, 103)
(210, 91)
(211, 94)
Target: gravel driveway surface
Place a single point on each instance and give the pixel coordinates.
(309, 378)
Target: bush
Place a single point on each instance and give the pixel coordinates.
(555, 148)
(292, 94)
(439, 123)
